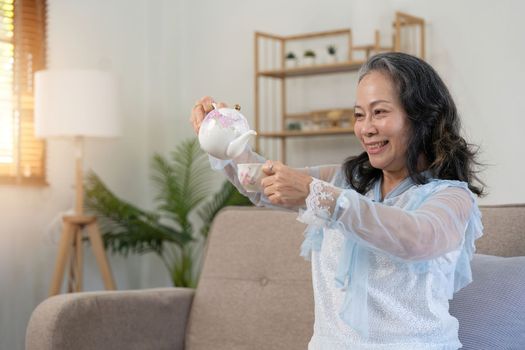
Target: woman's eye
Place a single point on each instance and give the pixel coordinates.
(358, 115)
(379, 112)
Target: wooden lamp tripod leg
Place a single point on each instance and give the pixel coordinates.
(71, 279)
(71, 241)
(98, 249)
(75, 269)
(79, 254)
(64, 249)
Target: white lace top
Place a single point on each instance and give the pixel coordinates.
(383, 270)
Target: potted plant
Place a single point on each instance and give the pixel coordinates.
(295, 126)
(183, 188)
(309, 57)
(291, 59)
(332, 53)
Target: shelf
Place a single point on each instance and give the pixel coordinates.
(271, 95)
(322, 114)
(300, 133)
(348, 66)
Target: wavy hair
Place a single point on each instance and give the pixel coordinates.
(435, 126)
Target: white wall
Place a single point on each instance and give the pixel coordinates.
(477, 47)
(169, 53)
(112, 35)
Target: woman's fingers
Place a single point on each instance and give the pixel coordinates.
(284, 185)
(202, 107)
(270, 191)
(197, 115)
(207, 103)
(271, 167)
(268, 168)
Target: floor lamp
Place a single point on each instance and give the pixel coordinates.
(77, 104)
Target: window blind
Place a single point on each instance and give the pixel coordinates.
(22, 53)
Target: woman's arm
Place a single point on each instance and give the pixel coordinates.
(281, 188)
(229, 169)
(292, 182)
(434, 228)
(323, 172)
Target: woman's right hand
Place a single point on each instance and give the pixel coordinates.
(199, 111)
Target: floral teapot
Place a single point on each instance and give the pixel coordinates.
(224, 133)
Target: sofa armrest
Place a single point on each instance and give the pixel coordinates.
(139, 319)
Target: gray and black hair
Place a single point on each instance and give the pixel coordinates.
(434, 121)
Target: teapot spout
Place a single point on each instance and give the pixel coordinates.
(237, 146)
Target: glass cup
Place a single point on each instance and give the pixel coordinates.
(250, 175)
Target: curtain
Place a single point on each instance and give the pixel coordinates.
(22, 53)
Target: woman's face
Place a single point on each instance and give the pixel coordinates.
(381, 124)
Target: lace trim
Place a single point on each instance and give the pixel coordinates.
(319, 204)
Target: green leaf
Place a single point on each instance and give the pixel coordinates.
(125, 227)
(183, 183)
(227, 195)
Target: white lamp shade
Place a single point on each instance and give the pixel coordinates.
(72, 103)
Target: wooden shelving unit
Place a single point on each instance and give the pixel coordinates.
(270, 63)
(318, 69)
(302, 133)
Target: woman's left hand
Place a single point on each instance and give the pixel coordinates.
(285, 186)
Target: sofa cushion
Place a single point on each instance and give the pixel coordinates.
(490, 310)
(255, 291)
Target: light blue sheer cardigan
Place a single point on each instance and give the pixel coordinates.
(352, 268)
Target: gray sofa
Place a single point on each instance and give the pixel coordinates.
(255, 293)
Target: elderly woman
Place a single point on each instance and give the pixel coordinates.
(391, 231)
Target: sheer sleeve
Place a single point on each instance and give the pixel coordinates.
(434, 228)
(324, 172)
(229, 168)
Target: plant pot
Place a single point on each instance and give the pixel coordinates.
(309, 61)
(291, 63)
(332, 59)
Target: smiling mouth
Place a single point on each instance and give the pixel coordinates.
(376, 145)
(373, 148)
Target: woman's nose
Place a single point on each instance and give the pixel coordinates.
(368, 128)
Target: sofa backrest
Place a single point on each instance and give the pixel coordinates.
(255, 290)
(504, 230)
(490, 309)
